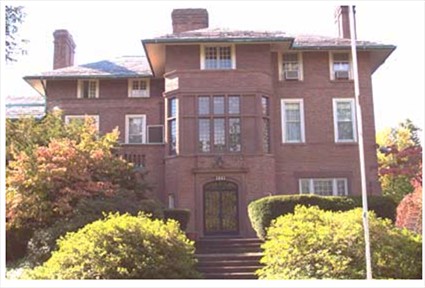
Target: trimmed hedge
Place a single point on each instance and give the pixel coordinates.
(263, 211)
(317, 244)
(180, 215)
(121, 247)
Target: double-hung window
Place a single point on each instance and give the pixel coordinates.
(291, 68)
(217, 57)
(323, 186)
(340, 66)
(138, 88)
(219, 123)
(88, 89)
(135, 129)
(292, 121)
(344, 120)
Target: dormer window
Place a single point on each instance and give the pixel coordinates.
(217, 57)
(341, 66)
(291, 66)
(88, 89)
(138, 88)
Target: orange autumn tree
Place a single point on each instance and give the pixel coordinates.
(399, 159)
(409, 211)
(45, 182)
(402, 162)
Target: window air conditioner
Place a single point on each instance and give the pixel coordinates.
(342, 75)
(291, 75)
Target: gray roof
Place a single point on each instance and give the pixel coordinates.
(221, 34)
(226, 35)
(324, 42)
(125, 66)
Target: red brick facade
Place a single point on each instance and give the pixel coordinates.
(257, 173)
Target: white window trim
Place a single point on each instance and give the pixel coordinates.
(232, 51)
(176, 118)
(282, 107)
(80, 87)
(130, 87)
(353, 120)
(127, 121)
(147, 136)
(300, 65)
(331, 66)
(69, 117)
(334, 185)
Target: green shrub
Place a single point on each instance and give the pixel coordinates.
(43, 241)
(263, 211)
(383, 206)
(180, 215)
(121, 247)
(317, 244)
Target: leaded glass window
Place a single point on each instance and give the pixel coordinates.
(219, 124)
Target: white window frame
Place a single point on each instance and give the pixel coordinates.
(353, 120)
(283, 113)
(147, 136)
(127, 128)
(334, 185)
(300, 66)
(80, 88)
(331, 65)
(169, 119)
(131, 93)
(232, 51)
(68, 119)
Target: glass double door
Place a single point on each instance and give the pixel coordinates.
(221, 208)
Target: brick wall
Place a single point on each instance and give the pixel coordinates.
(320, 156)
(189, 19)
(257, 174)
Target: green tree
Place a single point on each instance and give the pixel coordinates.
(399, 159)
(52, 166)
(27, 133)
(15, 16)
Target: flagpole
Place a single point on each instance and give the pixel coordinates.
(360, 139)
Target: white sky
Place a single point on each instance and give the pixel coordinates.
(106, 29)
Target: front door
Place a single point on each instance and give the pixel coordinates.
(221, 208)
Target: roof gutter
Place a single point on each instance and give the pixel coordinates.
(339, 47)
(73, 77)
(211, 40)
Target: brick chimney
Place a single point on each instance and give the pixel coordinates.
(64, 49)
(342, 19)
(189, 19)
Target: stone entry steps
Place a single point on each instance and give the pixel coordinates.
(228, 258)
